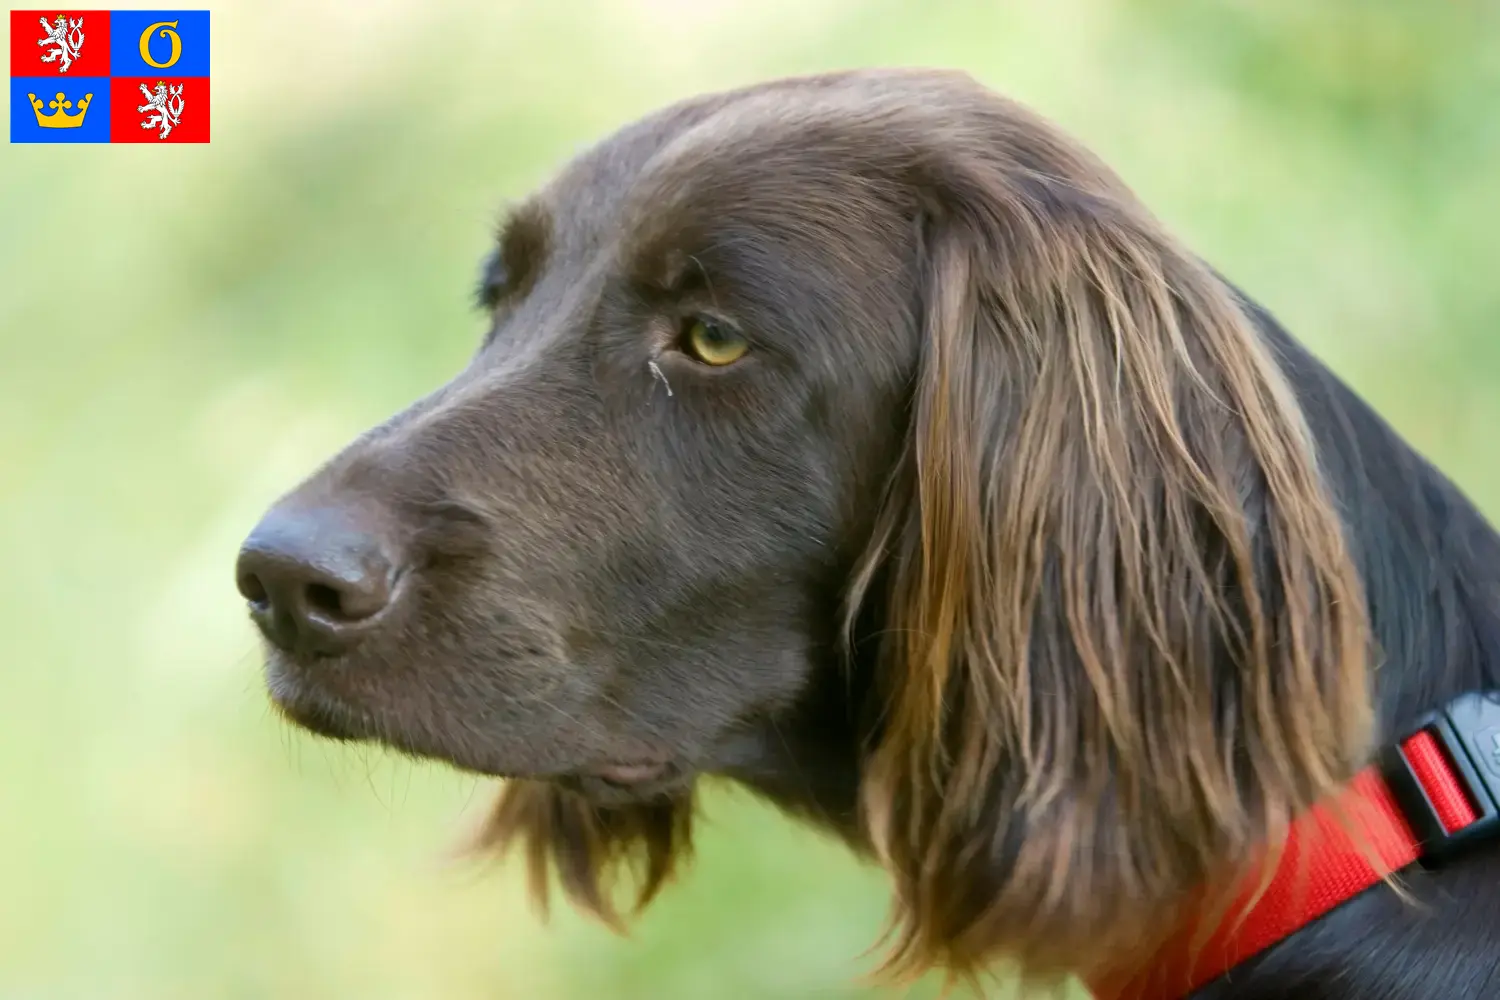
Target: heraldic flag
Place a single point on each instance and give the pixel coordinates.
(109, 76)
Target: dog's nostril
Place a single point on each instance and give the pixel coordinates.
(325, 599)
(349, 601)
(252, 589)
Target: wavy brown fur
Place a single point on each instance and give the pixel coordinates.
(1108, 488)
(587, 845)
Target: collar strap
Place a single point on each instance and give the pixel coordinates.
(1429, 794)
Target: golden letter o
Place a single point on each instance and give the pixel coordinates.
(166, 32)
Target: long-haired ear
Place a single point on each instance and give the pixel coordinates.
(588, 845)
(1124, 640)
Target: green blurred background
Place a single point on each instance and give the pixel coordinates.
(185, 331)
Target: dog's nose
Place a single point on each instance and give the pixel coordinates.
(315, 579)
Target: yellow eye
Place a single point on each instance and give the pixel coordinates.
(713, 343)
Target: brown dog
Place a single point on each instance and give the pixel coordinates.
(863, 439)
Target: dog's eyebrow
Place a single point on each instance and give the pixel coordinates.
(669, 271)
(521, 247)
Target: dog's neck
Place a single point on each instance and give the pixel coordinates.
(807, 760)
(1429, 560)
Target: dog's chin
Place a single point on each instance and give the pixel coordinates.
(604, 787)
(309, 708)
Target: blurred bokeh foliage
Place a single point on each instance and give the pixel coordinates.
(185, 331)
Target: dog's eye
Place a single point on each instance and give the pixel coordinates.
(712, 342)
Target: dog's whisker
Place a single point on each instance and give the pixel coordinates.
(657, 374)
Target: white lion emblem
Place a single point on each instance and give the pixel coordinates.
(66, 35)
(167, 102)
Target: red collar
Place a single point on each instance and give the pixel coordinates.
(1430, 793)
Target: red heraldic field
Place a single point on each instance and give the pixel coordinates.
(77, 43)
(132, 111)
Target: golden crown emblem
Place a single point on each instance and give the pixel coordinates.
(60, 117)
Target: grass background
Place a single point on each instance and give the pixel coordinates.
(186, 331)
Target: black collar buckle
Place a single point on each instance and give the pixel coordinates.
(1467, 730)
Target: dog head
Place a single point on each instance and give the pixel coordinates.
(876, 377)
